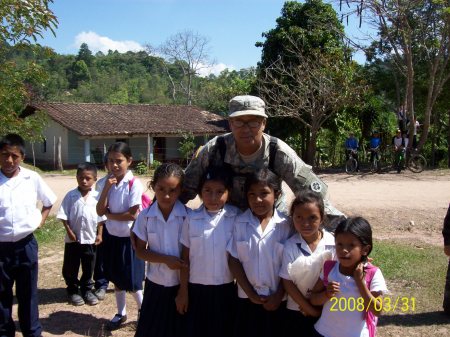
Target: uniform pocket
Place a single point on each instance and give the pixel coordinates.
(243, 250)
(196, 245)
(153, 241)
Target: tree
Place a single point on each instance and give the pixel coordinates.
(414, 36)
(310, 90)
(305, 68)
(188, 51)
(21, 22)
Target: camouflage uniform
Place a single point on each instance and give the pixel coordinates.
(287, 165)
(446, 234)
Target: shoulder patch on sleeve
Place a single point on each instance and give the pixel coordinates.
(316, 186)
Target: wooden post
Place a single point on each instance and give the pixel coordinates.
(60, 166)
(54, 152)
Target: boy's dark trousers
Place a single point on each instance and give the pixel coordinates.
(446, 303)
(101, 282)
(74, 254)
(19, 263)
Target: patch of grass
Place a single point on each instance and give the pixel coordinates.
(413, 271)
(52, 232)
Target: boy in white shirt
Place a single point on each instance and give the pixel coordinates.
(79, 216)
(20, 189)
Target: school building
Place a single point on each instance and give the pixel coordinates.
(78, 132)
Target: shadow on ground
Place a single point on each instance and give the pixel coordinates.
(418, 319)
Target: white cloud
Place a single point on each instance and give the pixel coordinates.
(102, 43)
(216, 69)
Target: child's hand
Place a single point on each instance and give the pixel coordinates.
(358, 274)
(332, 289)
(310, 311)
(272, 302)
(72, 235)
(181, 301)
(447, 250)
(257, 299)
(133, 239)
(110, 181)
(175, 263)
(98, 240)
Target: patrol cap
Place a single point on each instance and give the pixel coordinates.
(247, 105)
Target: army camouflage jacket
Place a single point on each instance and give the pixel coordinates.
(287, 165)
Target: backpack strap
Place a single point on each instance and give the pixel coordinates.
(130, 183)
(273, 147)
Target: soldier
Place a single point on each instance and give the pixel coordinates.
(247, 149)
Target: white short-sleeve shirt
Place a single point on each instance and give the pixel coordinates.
(348, 323)
(121, 199)
(207, 236)
(81, 214)
(19, 215)
(296, 246)
(162, 237)
(260, 252)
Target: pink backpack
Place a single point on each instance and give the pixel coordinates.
(145, 199)
(371, 319)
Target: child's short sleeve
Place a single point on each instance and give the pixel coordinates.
(64, 209)
(136, 193)
(378, 283)
(184, 239)
(44, 193)
(140, 227)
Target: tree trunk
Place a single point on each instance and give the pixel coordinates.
(60, 166)
(312, 146)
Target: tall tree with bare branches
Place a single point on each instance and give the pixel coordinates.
(189, 51)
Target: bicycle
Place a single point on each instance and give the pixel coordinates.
(351, 165)
(415, 161)
(375, 164)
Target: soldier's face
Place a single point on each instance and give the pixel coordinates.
(248, 130)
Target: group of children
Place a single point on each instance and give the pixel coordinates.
(215, 270)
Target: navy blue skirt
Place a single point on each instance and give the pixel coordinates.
(121, 265)
(211, 310)
(252, 320)
(296, 321)
(159, 316)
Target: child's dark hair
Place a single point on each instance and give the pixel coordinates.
(167, 170)
(122, 148)
(359, 227)
(13, 139)
(87, 167)
(266, 177)
(306, 196)
(216, 173)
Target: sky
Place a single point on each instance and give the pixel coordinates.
(231, 26)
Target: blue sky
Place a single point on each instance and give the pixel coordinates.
(232, 26)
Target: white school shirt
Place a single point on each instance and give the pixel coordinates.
(349, 323)
(19, 215)
(120, 199)
(207, 236)
(162, 237)
(260, 252)
(81, 214)
(100, 184)
(292, 252)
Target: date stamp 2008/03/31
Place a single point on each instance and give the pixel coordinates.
(386, 304)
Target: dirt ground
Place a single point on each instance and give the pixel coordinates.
(407, 206)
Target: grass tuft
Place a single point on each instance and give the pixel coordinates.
(52, 232)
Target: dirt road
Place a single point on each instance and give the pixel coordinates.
(399, 206)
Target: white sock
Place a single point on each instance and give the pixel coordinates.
(121, 302)
(138, 297)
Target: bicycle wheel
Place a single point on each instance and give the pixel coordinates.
(350, 166)
(417, 163)
(374, 165)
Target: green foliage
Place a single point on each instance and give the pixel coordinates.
(21, 22)
(187, 146)
(141, 168)
(155, 164)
